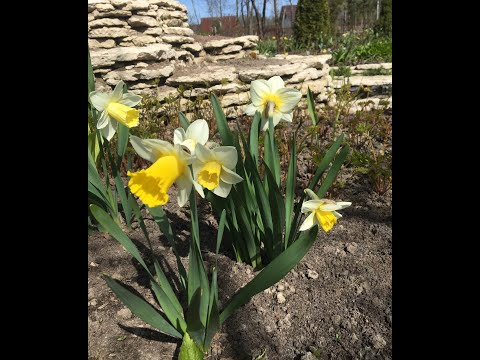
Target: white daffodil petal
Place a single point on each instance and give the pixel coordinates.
(197, 166)
(275, 83)
(223, 189)
(103, 120)
(309, 222)
(289, 98)
(178, 136)
(336, 206)
(287, 117)
(202, 153)
(330, 207)
(344, 204)
(311, 194)
(130, 99)
(250, 109)
(226, 155)
(109, 130)
(198, 131)
(184, 187)
(336, 214)
(259, 89)
(118, 91)
(277, 116)
(197, 186)
(150, 149)
(229, 176)
(100, 100)
(311, 205)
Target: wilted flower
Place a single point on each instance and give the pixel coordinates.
(272, 98)
(323, 212)
(197, 133)
(213, 169)
(170, 165)
(116, 106)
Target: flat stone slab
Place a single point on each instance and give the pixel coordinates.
(108, 57)
(377, 80)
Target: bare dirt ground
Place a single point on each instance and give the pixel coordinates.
(335, 304)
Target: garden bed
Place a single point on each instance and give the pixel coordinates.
(336, 303)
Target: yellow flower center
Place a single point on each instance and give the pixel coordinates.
(326, 219)
(271, 101)
(151, 185)
(209, 176)
(123, 114)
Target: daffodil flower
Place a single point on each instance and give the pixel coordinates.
(115, 106)
(213, 168)
(323, 212)
(197, 133)
(272, 98)
(170, 165)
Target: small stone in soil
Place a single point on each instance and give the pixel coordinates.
(378, 342)
(280, 287)
(280, 298)
(312, 274)
(308, 356)
(124, 314)
(352, 248)
(336, 319)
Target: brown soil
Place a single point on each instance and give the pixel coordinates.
(338, 300)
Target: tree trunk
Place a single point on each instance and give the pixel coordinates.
(278, 29)
(257, 15)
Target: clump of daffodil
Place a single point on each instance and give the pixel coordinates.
(272, 98)
(323, 211)
(115, 106)
(197, 133)
(170, 165)
(213, 169)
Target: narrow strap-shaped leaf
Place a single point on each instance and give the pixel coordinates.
(271, 151)
(163, 282)
(311, 107)
(221, 228)
(277, 207)
(175, 318)
(195, 325)
(113, 229)
(290, 190)
(162, 221)
(194, 219)
(253, 141)
(222, 125)
(197, 279)
(247, 232)
(123, 198)
(213, 323)
(189, 350)
(123, 133)
(141, 308)
(91, 77)
(327, 159)
(262, 200)
(273, 272)
(183, 120)
(332, 173)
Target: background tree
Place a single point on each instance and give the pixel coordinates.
(384, 24)
(312, 22)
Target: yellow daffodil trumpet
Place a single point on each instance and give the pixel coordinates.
(170, 165)
(213, 169)
(323, 212)
(114, 108)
